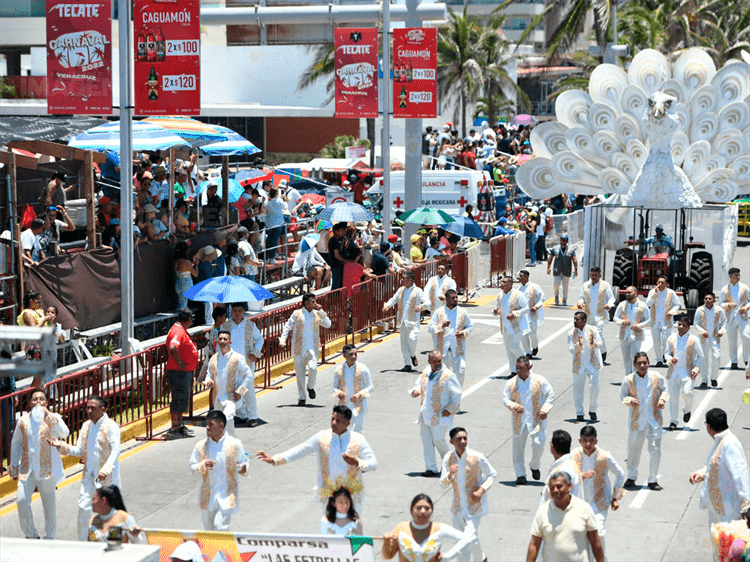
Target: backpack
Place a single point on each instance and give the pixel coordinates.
(547, 224)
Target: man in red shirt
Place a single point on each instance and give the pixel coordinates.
(359, 190)
(470, 157)
(183, 359)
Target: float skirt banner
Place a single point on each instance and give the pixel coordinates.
(415, 72)
(167, 67)
(79, 57)
(244, 547)
(356, 67)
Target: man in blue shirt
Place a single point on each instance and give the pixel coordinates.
(662, 243)
(380, 264)
(501, 230)
(111, 175)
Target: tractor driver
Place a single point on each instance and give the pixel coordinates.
(662, 243)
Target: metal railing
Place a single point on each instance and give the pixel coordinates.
(135, 386)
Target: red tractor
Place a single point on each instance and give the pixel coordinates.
(688, 267)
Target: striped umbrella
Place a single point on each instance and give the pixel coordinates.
(235, 189)
(186, 127)
(145, 136)
(345, 212)
(426, 215)
(233, 145)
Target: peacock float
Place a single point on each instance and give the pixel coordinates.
(664, 135)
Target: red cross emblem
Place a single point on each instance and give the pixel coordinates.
(462, 202)
(398, 202)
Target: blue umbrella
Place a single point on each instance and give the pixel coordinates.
(346, 212)
(308, 242)
(145, 136)
(235, 189)
(234, 145)
(464, 226)
(228, 289)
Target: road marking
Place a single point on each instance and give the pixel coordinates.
(76, 477)
(501, 370)
(696, 414)
(640, 497)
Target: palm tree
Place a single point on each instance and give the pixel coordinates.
(723, 30)
(460, 74)
(494, 50)
(322, 67)
(572, 18)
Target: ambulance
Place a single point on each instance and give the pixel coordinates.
(449, 191)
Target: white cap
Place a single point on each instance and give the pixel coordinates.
(283, 183)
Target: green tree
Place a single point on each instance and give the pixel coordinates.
(336, 149)
(572, 18)
(461, 77)
(494, 53)
(7, 90)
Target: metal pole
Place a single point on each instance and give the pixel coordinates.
(413, 145)
(385, 142)
(126, 182)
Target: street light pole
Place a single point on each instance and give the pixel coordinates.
(126, 182)
(385, 142)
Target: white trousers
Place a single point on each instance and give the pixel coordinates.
(530, 341)
(733, 328)
(513, 349)
(599, 325)
(307, 363)
(469, 524)
(629, 348)
(409, 338)
(579, 385)
(25, 489)
(680, 386)
(601, 519)
(85, 512)
(565, 281)
(216, 519)
(537, 448)
(711, 358)
(660, 334)
(635, 446)
(229, 409)
(248, 407)
(457, 364)
(433, 437)
(358, 421)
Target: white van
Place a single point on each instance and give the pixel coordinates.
(449, 191)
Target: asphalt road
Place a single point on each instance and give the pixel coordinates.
(160, 491)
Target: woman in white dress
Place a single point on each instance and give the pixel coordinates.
(341, 518)
(420, 539)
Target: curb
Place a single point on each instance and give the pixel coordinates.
(8, 486)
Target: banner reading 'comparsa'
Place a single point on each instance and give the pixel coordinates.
(244, 547)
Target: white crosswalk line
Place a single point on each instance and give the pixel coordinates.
(640, 497)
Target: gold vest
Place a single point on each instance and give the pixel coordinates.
(231, 465)
(653, 379)
(689, 354)
(743, 298)
(103, 441)
(654, 294)
(589, 332)
(460, 321)
(535, 388)
(437, 392)
(299, 329)
(232, 364)
(352, 481)
(513, 306)
(640, 307)
(600, 476)
(45, 449)
(702, 322)
(471, 483)
(411, 315)
(601, 297)
(712, 479)
(357, 384)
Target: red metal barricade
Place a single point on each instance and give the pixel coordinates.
(499, 258)
(271, 325)
(460, 272)
(336, 305)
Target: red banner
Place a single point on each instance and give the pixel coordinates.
(79, 57)
(415, 72)
(356, 76)
(167, 57)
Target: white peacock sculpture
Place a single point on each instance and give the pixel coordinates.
(659, 135)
